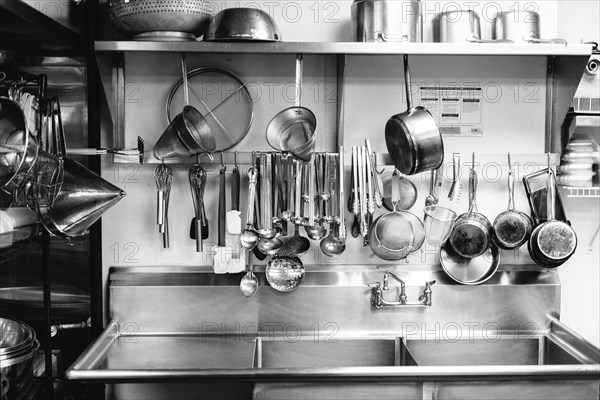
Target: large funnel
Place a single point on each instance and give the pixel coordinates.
(83, 198)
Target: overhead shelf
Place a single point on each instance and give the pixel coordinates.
(26, 30)
(350, 48)
(590, 192)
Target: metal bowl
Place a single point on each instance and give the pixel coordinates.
(161, 19)
(6, 57)
(16, 371)
(15, 338)
(242, 24)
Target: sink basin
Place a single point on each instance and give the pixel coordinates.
(313, 352)
(491, 351)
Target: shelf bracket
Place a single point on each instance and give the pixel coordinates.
(118, 84)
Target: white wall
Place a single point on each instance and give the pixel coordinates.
(373, 88)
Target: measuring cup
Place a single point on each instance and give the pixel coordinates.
(438, 224)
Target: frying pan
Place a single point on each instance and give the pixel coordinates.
(535, 187)
(413, 138)
(469, 271)
(511, 228)
(470, 236)
(553, 242)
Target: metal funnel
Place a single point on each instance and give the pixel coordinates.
(83, 198)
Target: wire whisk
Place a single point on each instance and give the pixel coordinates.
(456, 189)
(163, 176)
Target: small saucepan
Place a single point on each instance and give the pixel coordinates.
(512, 228)
(553, 242)
(413, 138)
(471, 232)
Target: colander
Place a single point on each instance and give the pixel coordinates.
(161, 19)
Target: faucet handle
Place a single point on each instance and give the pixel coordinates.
(429, 284)
(375, 285)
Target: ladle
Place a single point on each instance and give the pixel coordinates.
(268, 244)
(335, 244)
(332, 246)
(249, 283)
(313, 230)
(266, 230)
(249, 237)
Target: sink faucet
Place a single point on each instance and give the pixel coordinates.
(378, 301)
(402, 297)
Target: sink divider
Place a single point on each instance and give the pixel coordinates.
(257, 358)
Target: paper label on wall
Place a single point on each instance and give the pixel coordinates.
(456, 109)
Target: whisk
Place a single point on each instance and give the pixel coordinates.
(163, 176)
(197, 177)
(456, 189)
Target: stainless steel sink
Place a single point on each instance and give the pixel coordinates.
(509, 350)
(314, 352)
(155, 352)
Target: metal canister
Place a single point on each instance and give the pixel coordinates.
(516, 25)
(456, 26)
(387, 21)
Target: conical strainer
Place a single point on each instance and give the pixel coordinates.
(83, 197)
(293, 129)
(188, 133)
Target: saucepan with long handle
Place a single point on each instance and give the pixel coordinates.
(413, 138)
(471, 232)
(553, 242)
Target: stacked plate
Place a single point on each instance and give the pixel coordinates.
(578, 161)
(18, 345)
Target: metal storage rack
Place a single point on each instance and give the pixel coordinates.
(29, 33)
(564, 66)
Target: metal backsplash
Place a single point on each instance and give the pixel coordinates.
(331, 301)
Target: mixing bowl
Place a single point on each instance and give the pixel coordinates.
(241, 24)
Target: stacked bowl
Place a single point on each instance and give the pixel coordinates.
(18, 345)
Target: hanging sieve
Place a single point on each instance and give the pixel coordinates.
(222, 98)
(293, 129)
(392, 236)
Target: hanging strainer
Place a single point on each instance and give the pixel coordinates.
(222, 98)
(188, 133)
(293, 129)
(393, 236)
